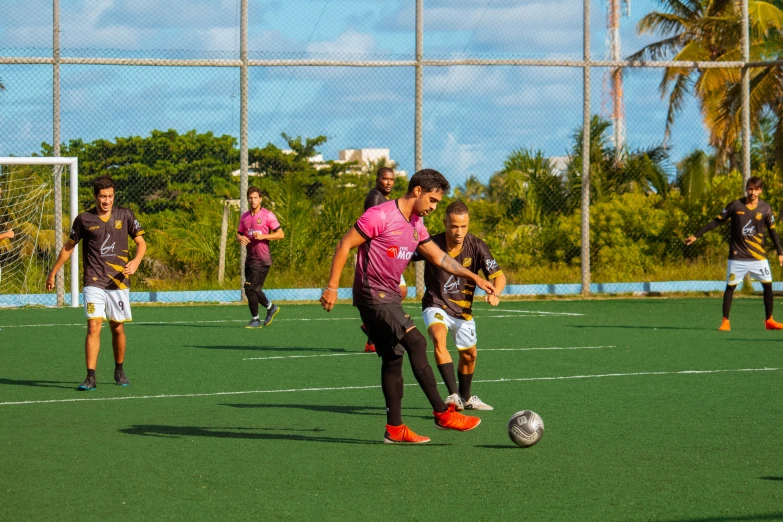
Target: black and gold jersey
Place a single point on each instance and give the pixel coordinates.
(374, 198)
(748, 227)
(451, 293)
(105, 246)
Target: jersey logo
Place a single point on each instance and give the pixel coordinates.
(117, 224)
(399, 252)
(392, 251)
(758, 216)
(452, 285)
(467, 261)
(258, 221)
(491, 264)
(96, 227)
(415, 235)
(381, 294)
(740, 213)
(107, 250)
(749, 229)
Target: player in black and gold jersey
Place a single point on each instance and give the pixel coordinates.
(447, 305)
(106, 262)
(749, 218)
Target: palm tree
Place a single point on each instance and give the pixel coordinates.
(710, 30)
(472, 190)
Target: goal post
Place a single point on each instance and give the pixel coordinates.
(73, 168)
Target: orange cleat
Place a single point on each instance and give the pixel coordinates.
(451, 419)
(771, 324)
(725, 326)
(402, 435)
(369, 347)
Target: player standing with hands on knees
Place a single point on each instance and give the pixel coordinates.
(257, 227)
(749, 218)
(106, 265)
(387, 235)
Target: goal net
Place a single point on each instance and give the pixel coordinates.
(31, 229)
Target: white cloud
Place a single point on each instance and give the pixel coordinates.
(350, 42)
(465, 79)
(459, 160)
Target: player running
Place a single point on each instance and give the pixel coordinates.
(387, 235)
(749, 216)
(384, 183)
(106, 267)
(257, 227)
(448, 301)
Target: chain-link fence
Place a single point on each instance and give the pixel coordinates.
(499, 99)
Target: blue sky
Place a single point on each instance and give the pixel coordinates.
(473, 116)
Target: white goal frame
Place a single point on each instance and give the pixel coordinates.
(73, 168)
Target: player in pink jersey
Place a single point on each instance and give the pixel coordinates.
(257, 227)
(387, 235)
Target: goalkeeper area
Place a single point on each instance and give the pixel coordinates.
(650, 414)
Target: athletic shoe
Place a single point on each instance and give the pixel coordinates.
(87, 385)
(270, 314)
(369, 347)
(402, 435)
(474, 403)
(771, 324)
(725, 326)
(456, 400)
(451, 419)
(120, 379)
(255, 323)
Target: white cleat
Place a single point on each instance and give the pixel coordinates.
(474, 403)
(456, 400)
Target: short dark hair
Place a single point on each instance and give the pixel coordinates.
(382, 171)
(429, 180)
(457, 208)
(251, 189)
(100, 183)
(754, 182)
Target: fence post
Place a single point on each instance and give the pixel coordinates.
(223, 238)
(745, 86)
(419, 116)
(586, 155)
(243, 108)
(58, 181)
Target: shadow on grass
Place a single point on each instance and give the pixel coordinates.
(276, 348)
(728, 518)
(39, 384)
(348, 410)
(640, 327)
(777, 479)
(157, 430)
(499, 446)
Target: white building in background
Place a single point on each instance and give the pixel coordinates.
(560, 164)
(362, 157)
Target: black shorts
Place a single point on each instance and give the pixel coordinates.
(386, 325)
(255, 275)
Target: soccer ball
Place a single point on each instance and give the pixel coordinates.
(525, 428)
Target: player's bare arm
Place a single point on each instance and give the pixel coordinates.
(438, 257)
(500, 283)
(133, 264)
(64, 255)
(8, 234)
(243, 240)
(352, 239)
(277, 234)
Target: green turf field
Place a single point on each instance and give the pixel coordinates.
(651, 414)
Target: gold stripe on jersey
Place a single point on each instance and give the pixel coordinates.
(123, 258)
(463, 304)
(119, 284)
(757, 256)
(118, 268)
(758, 238)
(467, 317)
(757, 246)
(493, 276)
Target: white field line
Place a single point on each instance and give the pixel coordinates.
(538, 312)
(482, 350)
(344, 388)
(182, 322)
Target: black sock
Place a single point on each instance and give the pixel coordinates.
(416, 346)
(728, 295)
(263, 300)
(269, 306)
(90, 373)
(769, 299)
(252, 301)
(392, 386)
(464, 384)
(117, 367)
(447, 374)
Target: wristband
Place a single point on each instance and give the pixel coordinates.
(332, 289)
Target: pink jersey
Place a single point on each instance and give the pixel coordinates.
(391, 242)
(262, 221)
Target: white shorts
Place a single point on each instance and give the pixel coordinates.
(402, 281)
(462, 331)
(758, 270)
(113, 305)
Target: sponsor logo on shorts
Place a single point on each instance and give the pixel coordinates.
(439, 316)
(117, 224)
(467, 261)
(90, 308)
(732, 277)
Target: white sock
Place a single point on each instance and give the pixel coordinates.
(255, 318)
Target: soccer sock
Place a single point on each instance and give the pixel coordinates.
(464, 384)
(252, 301)
(728, 295)
(91, 373)
(269, 306)
(263, 300)
(391, 384)
(447, 373)
(416, 346)
(117, 367)
(768, 299)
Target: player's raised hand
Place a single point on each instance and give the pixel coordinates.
(690, 240)
(328, 299)
(131, 267)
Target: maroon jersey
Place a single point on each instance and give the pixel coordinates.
(391, 242)
(451, 293)
(263, 221)
(105, 246)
